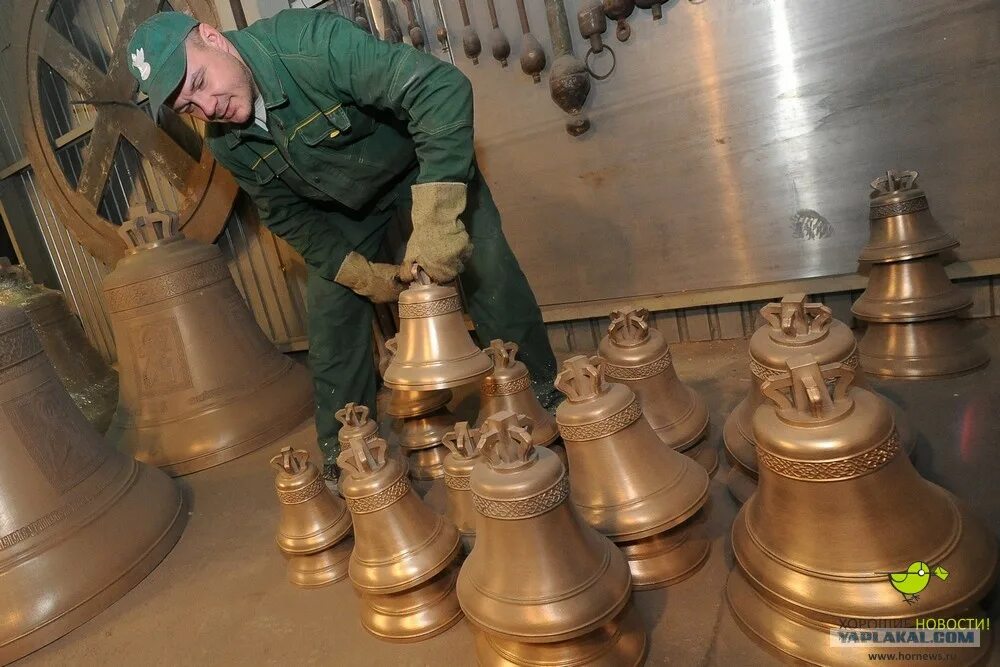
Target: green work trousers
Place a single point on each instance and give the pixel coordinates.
(496, 292)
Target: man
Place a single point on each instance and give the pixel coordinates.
(332, 133)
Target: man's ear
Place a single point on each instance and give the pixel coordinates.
(211, 36)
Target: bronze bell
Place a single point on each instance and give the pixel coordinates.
(90, 381)
(404, 404)
(620, 643)
(80, 522)
(538, 572)
(433, 349)
(910, 290)
(463, 446)
(913, 350)
(839, 508)
(638, 357)
(508, 387)
(200, 384)
(791, 327)
(902, 226)
(313, 521)
(403, 550)
(355, 421)
(421, 440)
(624, 482)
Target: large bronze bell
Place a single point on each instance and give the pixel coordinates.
(90, 381)
(910, 290)
(80, 522)
(200, 384)
(638, 357)
(791, 327)
(433, 349)
(463, 447)
(403, 550)
(313, 521)
(914, 350)
(839, 508)
(625, 482)
(538, 572)
(508, 387)
(902, 226)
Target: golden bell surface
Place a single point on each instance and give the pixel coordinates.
(622, 642)
(426, 430)
(816, 544)
(910, 291)
(322, 568)
(913, 350)
(463, 454)
(404, 404)
(623, 480)
(638, 357)
(433, 349)
(200, 384)
(538, 572)
(90, 381)
(902, 226)
(354, 421)
(313, 517)
(80, 522)
(508, 387)
(791, 327)
(416, 614)
(399, 542)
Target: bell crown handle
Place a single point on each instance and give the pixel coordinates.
(503, 354)
(505, 442)
(795, 316)
(420, 276)
(291, 461)
(805, 389)
(352, 414)
(363, 459)
(146, 226)
(582, 378)
(894, 181)
(464, 442)
(629, 327)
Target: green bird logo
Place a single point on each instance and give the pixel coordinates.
(915, 579)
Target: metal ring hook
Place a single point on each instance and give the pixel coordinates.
(586, 62)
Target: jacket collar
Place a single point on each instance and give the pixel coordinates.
(265, 77)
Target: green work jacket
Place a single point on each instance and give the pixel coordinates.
(349, 117)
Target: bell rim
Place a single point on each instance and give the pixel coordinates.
(412, 581)
(696, 552)
(334, 572)
(321, 540)
(431, 386)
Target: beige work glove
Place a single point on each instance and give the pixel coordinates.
(378, 282)
(439, 243)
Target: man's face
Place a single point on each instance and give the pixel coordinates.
(217, 86)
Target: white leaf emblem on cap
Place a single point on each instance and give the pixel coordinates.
(139, 62)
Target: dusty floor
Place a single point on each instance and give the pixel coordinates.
(221, 598)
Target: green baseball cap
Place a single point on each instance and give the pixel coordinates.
(156, 55)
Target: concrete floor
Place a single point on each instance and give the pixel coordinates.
(221, 598)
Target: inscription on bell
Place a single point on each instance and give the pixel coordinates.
(53, 431)
(161, 364)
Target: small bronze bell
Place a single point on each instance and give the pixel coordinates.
(200, 384)
(793, 326)
(832, 470)
(90, 381)
(463, 446)
(313, 521)
(400, 547)
(624, 482)
(508, 387)
(355, 421)
(433, 349)
(638, 357)
(80, 522)
(914, 350)
(911, 290)
(902, 226)
(538, 572)
(620, 643)
(421, 440)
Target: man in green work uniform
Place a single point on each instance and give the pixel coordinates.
(332, 133)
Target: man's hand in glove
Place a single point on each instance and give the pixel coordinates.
(378, 282)
(439, 243)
